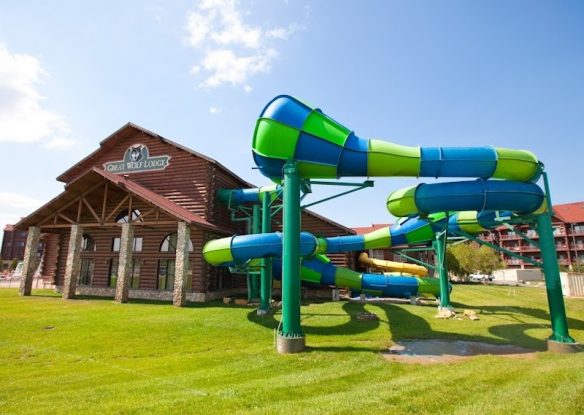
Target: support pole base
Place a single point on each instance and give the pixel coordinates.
(286, 345)
(264, 312)
(562, 347)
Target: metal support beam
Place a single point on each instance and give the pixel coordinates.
(291, 338)
(551, 271)
(266, 263)
(499, 248)
(253, 282)
(440, 250)
(358, 186)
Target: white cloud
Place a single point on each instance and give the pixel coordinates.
(233, 50)
(214, 110)
(11, 201)
(282, 33)
(14, 207)
(23, 118)
(60, 143)
(225, 67)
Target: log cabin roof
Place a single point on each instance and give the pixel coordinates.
(94, 176)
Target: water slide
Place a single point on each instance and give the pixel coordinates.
(289, 129)
(392, 266)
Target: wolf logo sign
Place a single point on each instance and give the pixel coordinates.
(137, 159)
(136, 152)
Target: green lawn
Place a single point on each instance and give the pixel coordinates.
(96, 356)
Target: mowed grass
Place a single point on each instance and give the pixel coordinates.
(96, 356)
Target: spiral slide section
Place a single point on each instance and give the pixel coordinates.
(254, 195)
(321, 271)
(289, 129)
(392, 266)
(409, 231)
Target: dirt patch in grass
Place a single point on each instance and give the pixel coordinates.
(446, 351)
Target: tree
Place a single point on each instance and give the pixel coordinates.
(467, 258)
(488, 260)
(463, 258)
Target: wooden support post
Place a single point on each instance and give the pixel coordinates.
(181, 274)
(30, 260)
(73, 264)
(125, 263)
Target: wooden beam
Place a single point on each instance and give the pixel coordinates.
(79, 206)
(130, 209)
(71, 221)
(143, 215)
(111, 225)
(104, 204)
(91, 189)
(119, 205)
(95, 215)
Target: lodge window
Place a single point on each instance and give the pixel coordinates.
(116, 243)
(87, 263)
(169, 243)
(86, 271)
(165, 274)
(166, 266)
(134, 276)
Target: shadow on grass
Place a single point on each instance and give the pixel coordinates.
(404, 325)
(512, 313)
(336, 349)
(351, 327)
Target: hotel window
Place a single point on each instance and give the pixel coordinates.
(376, 254)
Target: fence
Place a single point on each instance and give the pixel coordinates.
(572, 284)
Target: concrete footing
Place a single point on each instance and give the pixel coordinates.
(561, 347)
(264, 312)
(286, 345)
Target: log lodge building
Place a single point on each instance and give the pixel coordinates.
(133, 219)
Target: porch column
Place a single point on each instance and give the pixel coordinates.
(30, 259)
(73, 264)
(125, 263)
(179, 298)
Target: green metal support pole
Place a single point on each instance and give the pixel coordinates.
(256, 223)
(291, 338)
(266, 263)
(551, 272)
(440, 250)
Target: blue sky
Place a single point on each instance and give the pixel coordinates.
(438, 73)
